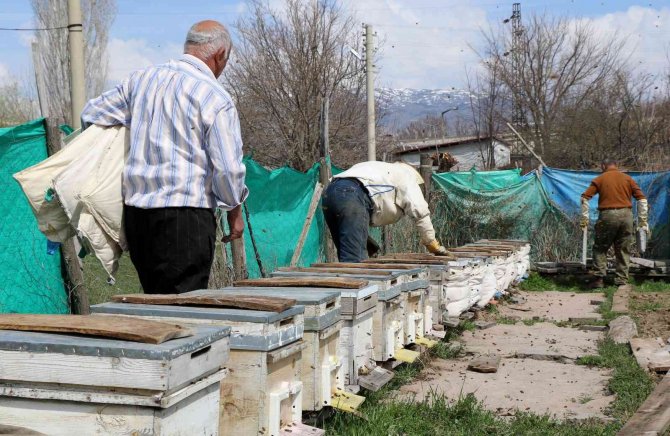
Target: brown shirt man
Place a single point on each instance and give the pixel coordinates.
(615, 220)
(614, 190)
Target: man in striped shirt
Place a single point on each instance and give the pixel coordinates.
(185, 160)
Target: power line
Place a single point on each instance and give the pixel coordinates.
(20, 29)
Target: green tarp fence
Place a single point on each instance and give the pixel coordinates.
(278, 203)
(30, 279)
(505, 199)
(478, 180)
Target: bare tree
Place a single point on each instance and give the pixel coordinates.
(52, 45)
(428, 127)
(287, 61)
(488, 103)
(17, 102)
(559, 64)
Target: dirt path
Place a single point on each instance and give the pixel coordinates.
(537, 371)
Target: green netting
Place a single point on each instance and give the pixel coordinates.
(478, 180)
(30, 280)
(278, 204)
(518, 208)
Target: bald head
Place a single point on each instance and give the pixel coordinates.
(210, 42)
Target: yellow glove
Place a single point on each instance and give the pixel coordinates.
(436, 248)
(584, 219)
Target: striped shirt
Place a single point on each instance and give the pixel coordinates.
(185, 141)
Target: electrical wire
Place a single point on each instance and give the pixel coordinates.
(27, 29)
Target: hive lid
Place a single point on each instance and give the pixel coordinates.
(212, 313)
(36, 342)
(302, 296)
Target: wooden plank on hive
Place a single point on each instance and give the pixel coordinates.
(333, 270)
(310, 282)
(651, 354)
(366, 265)
(653, 416)
(116, 327)
(250, 302)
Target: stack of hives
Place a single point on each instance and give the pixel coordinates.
(299, 341)
(471, 275)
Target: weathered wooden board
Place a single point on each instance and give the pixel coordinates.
(647, 263)
(653, 416)
(315, 282)
(651, 354)
(407, 261)
(137, 330)
(250, 302)
(332, 270)
(376, 379)
(366, 265)
(485, 363)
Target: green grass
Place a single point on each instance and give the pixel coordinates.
(446, 350)
(506, 320)
(385, 413)
(95, 279)
(630, 383)
(437, 416)
(651, 286)
(538, 283)
(647, 306)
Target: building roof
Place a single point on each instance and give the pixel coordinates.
(431, 144)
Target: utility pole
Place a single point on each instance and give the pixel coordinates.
(77, 75)
(370, 79)
(517, 43)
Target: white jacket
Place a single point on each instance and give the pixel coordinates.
(395, 191)
(84, 179)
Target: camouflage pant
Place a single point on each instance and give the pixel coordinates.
(614, 227)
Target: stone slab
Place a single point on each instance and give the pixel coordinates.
(542, 387)
(553, 306)
(541, 341)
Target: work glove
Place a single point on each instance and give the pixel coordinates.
(436, 248)
(643, 214)
(584, 218)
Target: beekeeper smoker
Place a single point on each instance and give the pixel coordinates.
(375, 194)
(615, 220)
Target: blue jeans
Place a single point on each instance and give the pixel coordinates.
(347, 208)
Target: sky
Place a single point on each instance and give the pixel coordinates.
(423, 43)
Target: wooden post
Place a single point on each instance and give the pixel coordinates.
(539, 159)
(239, 259)
(308, 222)
(426, 170)
(72, 271)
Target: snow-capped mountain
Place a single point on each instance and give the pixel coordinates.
(402, 106)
